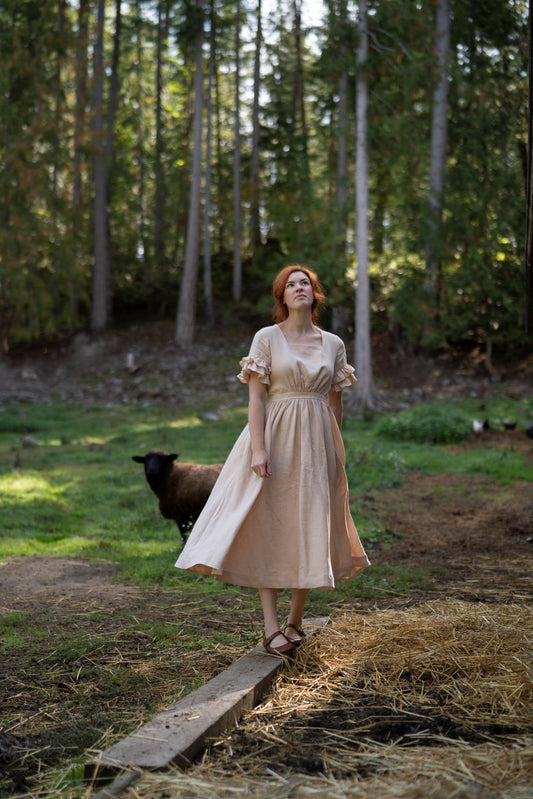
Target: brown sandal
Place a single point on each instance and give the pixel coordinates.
(284, 649)
(294, 641)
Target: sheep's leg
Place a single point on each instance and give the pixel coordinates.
(182, 528)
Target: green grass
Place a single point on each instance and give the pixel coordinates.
(79, 494)
(432, 424)
(378, 452)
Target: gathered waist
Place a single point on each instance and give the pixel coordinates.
(297, 395)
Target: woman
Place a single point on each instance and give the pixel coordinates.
(278, 516)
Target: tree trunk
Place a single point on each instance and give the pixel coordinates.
(208, 284)
(110, 141)
(365, 395)
(99, 309)
(299, 131)
(342, 139)
(186, 317)
(160, 190)
(529, 208)
(255, 226)
(81, 98)
(220, 179)
(58, 285)
(237, 260)
(143, 239)
(439, 130)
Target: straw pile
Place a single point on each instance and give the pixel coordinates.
(429, 702)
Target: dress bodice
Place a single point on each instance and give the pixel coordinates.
(297, 368)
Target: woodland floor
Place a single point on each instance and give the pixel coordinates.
(475, 535)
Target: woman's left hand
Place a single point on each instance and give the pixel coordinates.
(261, 464)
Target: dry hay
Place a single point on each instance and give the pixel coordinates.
(431, 702)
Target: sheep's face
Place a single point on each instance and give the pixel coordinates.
(157, 465)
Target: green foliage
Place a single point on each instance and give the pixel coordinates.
(433, 424)
(46, 233)
(41, 277)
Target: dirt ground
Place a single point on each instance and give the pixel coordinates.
(474, 534)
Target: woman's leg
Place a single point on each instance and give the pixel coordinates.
(269, 598)
(296, 613)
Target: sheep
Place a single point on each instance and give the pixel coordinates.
(182, 488)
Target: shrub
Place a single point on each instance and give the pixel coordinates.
(434, 424)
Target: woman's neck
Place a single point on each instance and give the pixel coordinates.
(299, 326)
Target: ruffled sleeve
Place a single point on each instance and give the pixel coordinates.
(344, 373)
(258, 361)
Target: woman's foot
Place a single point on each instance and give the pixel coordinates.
(278, 644)
(294, 634)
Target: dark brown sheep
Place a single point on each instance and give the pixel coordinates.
(182, 488)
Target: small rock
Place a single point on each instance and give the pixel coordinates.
(29, 374)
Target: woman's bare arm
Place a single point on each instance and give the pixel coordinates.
(256, 424)
(335, 403)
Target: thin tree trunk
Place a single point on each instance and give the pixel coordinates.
(342, 139)
(255, 226)
(298, 103)
(160, 190)
(110, 141)
(55, 155)
(529, 207)
(439, 131)
(221, 232)
(208, 284)
(99, 309)
(81, 98)
(237, 260)
(57, 143)
(299, 132)
(186, 317)
(143, 242)
(365, 396)
(179, 239)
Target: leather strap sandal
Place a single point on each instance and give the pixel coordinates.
(294, 641)
(284, 649)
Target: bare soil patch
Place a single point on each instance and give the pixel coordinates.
(468, 531)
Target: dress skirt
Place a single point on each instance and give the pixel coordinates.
(293, 529)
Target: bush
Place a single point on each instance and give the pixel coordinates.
(434, 424)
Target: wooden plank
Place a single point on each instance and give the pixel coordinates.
(178, 733)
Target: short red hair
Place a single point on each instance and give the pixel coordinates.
(278, 289)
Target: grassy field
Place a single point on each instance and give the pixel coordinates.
(68, 485)
(69, 488)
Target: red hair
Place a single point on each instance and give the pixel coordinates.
(278, 289)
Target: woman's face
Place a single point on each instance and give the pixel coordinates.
(298, 293)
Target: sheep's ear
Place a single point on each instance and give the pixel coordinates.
(139, 458)
(173, 456)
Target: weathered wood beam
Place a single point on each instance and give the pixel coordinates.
(176, 735)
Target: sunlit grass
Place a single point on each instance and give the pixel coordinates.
(27, 487)
(79, 494)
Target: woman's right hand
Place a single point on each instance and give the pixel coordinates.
(261, 463)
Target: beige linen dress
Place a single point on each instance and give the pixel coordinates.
(293, 529)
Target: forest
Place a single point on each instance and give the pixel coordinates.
(167, 157)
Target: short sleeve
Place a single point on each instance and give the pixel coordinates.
(344, 373)
(258, 360)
